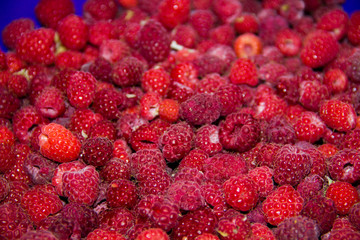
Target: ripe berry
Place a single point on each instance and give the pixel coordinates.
(121, 193)
(344, 196)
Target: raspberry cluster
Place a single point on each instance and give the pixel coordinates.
(181, 119)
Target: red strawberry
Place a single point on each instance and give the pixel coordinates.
(29, 49)
(173, 12)
(338, 115)
(344, 196)
(58, 143)
(81, 89)
(50, 12)
(73, 32)
(154, 42)
(40, 202)
(320, 48)
(15, 29)
(292, 204)
(244, 71)
(81, 186)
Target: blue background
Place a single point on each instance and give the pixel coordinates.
(13, 9)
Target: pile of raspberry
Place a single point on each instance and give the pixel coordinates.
(181, 120)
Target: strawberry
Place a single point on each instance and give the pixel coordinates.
(15, 29)
(344, 196)
(37, 46)
(73, 32)
(320, 47)
(173, 12)
(154, 42)
(50, 12)
(58, 143)
(338, 115)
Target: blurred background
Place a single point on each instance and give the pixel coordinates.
(13, 9)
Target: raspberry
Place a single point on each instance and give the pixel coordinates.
(189, 174)
(246, 23)
(103, 128)
(338, 115)
(312, 94)
(82, 120)
(5, 188)
(28, 48)
(9, 103)
(288, 42)
(222, 166)
(50, 102)
(268, 106)
(186, 194)
(270, 25)
(309, 127)
(39, 234)
(234, 225)
(262, 178)
(152, 179)
(14, 221)
(334, 21)
(127, 72)
(81, 185)
(100, 31)
(244, 71)
(97, 151)
(291, 204)
(310, 187)
(201, 109)
(81, 89)
(241, 193)
(115, 169)
(261, 231)
(109, 102)
(39, 169)
(73, 32)
(195, 159)
(152, 234)
(354, 215)
(227, 10)
(15, 29)
(121, 193)
(104, 234)
(194, 224)
(239, 131)
(162, 212)
(353, 33)
(101, 69)
(202, 21)
(100, 9)
(58, 143)
(149, 105)
(50, 12)
(176, 141)
(39, 203)
(156, 80)
(230, 98)
(344, 196)
(154, 42)
(320, 47)
(207, 139)
(292, 164)
(169, 110)
(116, 220)
(248, 45)
(297, 227)
(279, 130)
(343, 166)
(173, 12)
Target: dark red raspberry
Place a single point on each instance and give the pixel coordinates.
(280, 130)
(97, 151)
(202, 21)
(128, 72)
(195, 159)
(14, 221)
(239, 131)
(101, 69)
(108, 102)
(81, 89)
(39, 169)
(234, 225)
(103, 128)
(117, 220)
(310, 187)
(121, 193)
(50, 12)
(344, 166)
(262, 177)
(15, 29)
(189, 174)
(207, 139)
(9, 103)
(297, 227)
(354, 215)
(50, 102)
(115, 169)
(100, 9)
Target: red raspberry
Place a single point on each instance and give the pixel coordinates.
(82, 120)
(185, 73)
(109, 102)
(169, 110)
(210, 83)
(9, 103)
(121, 150)
(194, 224)
(179, 92)
(354, 216)
(272, 71)
(81, 89)
(144, 156)
(291, 204)
(343, 166)
(73, 32)
(230, 98)
(57, 180)
(185, 35)
(223, 34)
(241, 193)
(39, 234)
(262, 177)
(207, 139)
(344, 196)
(7, 145)
(248, 45)
(268, 106)
(97, 151)
(162, 212)
(227, 10)
(280, 130)
(69, 59)
(101, 69)
(310, 187)
(100, 31)
(173, 12)
(222, 166)
(353, 33)
(58, 143)
(14, 221)
(292, 164)
(50, 102)
(202, 21)
(118, 220)
(39, 203)
(29, 49)
(39, 169)
(246, 23)
(239, 131)
(234, 225)
(270, 25)
(189, 174)
(81, 186)
(147, 135)
(154, 42)
(186, 194)
(320, 47)
(50, 12)
(195, 159)
(152, 234)
(18, 85)
(288, 42)
(244, 71)
(312, 94)
(149, 105)
(207, 236)
(261, 231)
(113, 50)
(104, 234)
(336, 80)
(16, 171)
(115, 169)
(309, 127)
(100, 9)
(297, 227)
(103, 128)
(128, 123)
(121, 193)
(334, 21)
(322, 210)
(338, 115)
(176, 142)
(128, 72)
(17, 190)
(15, 29)
(5, 188)
(349, 140)
(156, 80)
(201, 109)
